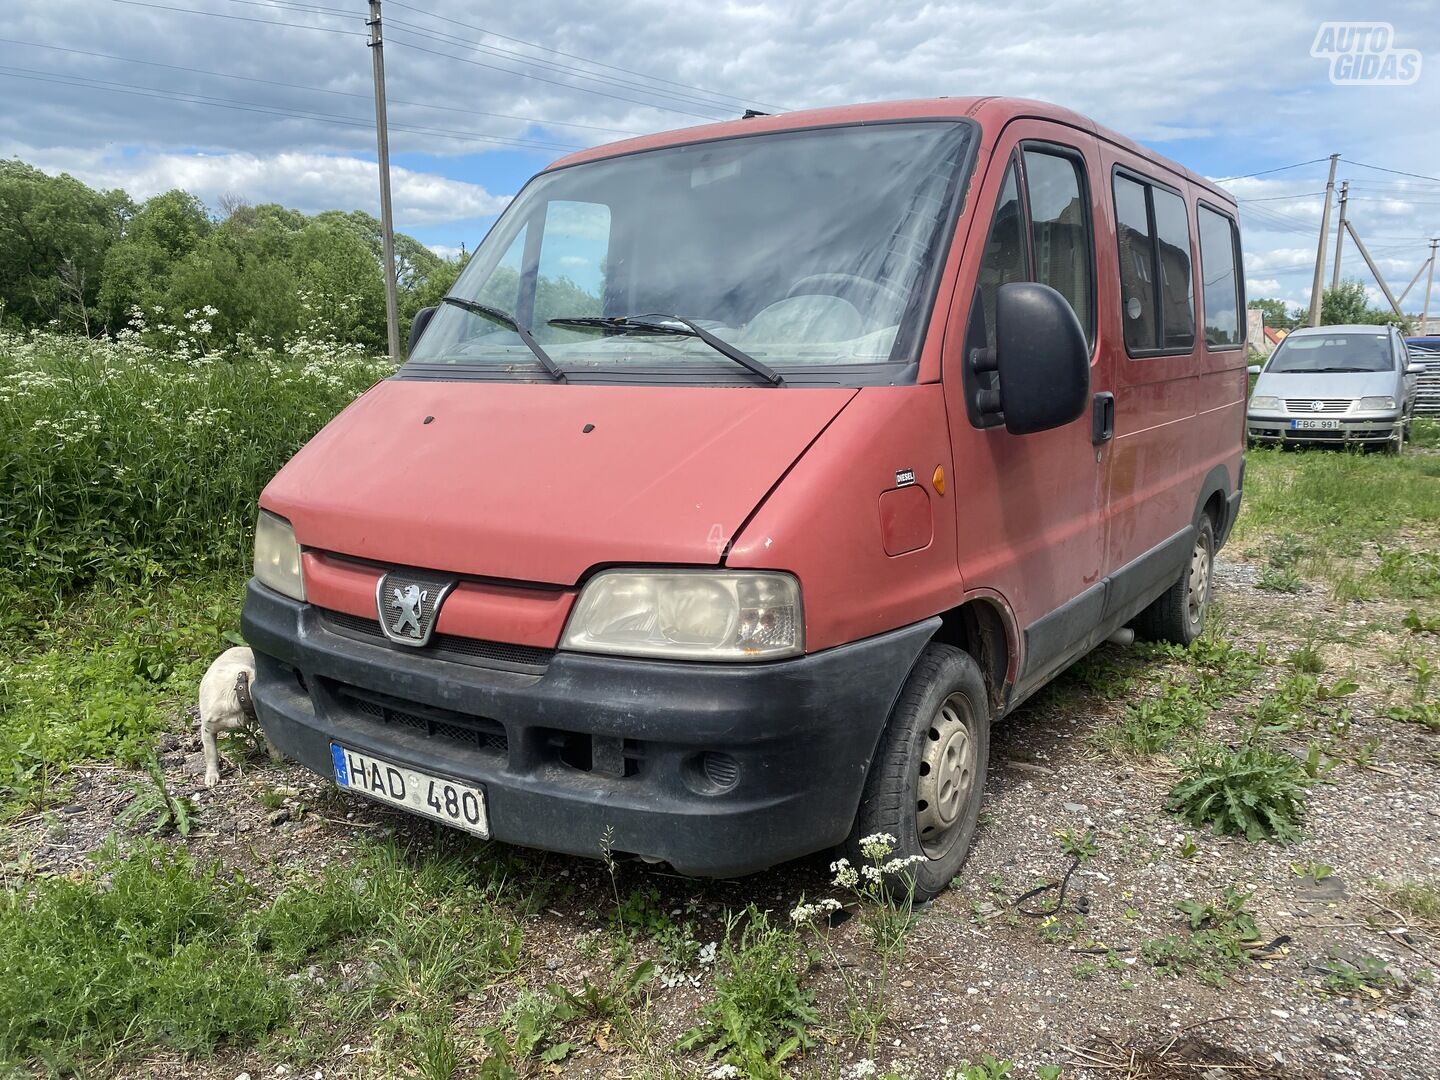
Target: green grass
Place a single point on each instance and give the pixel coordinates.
(100, 676)
(155, 948)
(120, 459)
(1214, 669)
(1335, 515)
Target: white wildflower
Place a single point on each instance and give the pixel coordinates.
(845, 875)
(807, 913)
(877, 845)
(724, 1072)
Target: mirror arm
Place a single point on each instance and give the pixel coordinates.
(983, 361)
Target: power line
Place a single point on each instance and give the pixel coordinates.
(1283, 198)
(313, 89)
(540, 78)
(549, 65)
(583, 59)
(84, 83)
(241, 18)
(1397, 172)
(1267, 172)
(408, 45)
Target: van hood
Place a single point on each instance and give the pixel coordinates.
(538, 482)
(1326, 384)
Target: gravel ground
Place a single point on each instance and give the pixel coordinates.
(979, 977)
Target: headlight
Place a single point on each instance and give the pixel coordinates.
(1265, 404)
(1377, 403)
(277, 556)
(689, 615)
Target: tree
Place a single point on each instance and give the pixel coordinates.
(1277, 313)
(50, 224)
(137, 269)
(1348, 304)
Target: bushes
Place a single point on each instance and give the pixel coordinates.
(120, 456)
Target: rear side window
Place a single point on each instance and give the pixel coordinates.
(1221, 291)
(1157, 290)
(1060, 231)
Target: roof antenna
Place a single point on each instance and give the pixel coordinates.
(750, 114)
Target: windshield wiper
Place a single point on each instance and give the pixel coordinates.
(505, 319)
(644, 324)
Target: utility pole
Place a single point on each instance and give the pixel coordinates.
(1429, 281)
(1365, 254)
(1340, 234)
(1316, 296)
(382, 152)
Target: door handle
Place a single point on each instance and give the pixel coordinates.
(1102, 418)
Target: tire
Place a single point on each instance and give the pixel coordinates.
(1397, 445)
(1178, 614)
(936, 741)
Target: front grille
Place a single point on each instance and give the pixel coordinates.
(1327, 405)
(476, 732)
(445, 646)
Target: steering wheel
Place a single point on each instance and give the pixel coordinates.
(842, 284)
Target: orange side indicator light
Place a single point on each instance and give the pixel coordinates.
(939, 479)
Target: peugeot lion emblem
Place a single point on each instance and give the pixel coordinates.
(409, 604)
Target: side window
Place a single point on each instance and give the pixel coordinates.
(1060, 231)
(1221, 290)
(1006, 258)
(570, 279)
(1137, 265)
(1157, 283)
(1006, 254)
(1177, 278)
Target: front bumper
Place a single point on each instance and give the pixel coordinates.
(642, 751)
(1356, 429)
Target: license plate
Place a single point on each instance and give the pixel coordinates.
(450, 801)
(1314, 425)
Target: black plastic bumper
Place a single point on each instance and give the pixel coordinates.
(598, 743)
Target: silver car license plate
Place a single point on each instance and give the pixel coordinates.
(450, 801)
(1316, 424)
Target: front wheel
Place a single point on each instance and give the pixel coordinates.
(926, 781)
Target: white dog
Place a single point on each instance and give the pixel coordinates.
(225, 704)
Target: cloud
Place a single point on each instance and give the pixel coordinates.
(309, 182)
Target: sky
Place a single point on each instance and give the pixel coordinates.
(270, 100)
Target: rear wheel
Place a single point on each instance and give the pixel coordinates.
(926, 782)
(1178, 614)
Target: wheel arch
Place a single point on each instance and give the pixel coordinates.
(984, 627)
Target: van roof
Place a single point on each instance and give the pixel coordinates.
(992, 113)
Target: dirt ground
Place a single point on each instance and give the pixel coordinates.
(979, 976)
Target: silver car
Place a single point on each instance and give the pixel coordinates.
(1335, 384)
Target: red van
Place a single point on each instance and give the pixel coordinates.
(751, 471)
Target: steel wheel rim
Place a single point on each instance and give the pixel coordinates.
(947, 776)
(1197, 591)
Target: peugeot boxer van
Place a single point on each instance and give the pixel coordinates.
(751, 472)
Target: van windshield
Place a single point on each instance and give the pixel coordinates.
(1333, 352)
(806, 250)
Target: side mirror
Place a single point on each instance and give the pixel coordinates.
(417, 327)
(1042, 358)
(1253, 369)
(1414, 368)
